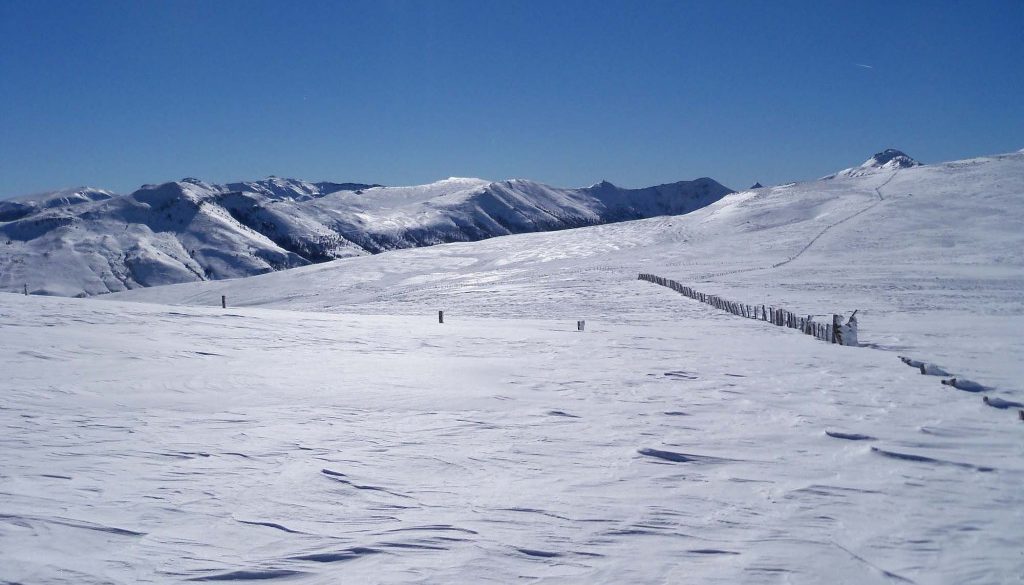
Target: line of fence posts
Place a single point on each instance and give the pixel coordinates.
(834, 332)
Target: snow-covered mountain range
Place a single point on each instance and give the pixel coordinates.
(325, 427)
(18, 207)
(85, 241)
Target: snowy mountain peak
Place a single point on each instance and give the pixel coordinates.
(757, 185)
(455, 183)
(892, 159)
(889, 159)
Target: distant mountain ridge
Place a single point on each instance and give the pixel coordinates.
(85, 241)
(18, 207)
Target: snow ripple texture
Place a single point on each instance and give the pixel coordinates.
(195, 444)
(352, 438)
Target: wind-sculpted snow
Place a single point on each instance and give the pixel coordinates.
(143, 443)
(353, 438)
(91, 242)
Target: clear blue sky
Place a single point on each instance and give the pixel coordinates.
(115, 94)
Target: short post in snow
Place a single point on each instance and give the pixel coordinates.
(223, 301)
(440, 316)
(26, 290)
(580, 325)
(837, 333)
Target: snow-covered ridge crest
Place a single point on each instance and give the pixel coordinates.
(18, 207)
(191, 230)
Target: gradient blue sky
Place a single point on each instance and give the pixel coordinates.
(115, 94)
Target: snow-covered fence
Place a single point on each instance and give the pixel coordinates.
(834, 332)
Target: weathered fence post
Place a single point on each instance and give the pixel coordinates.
(440, 316)
(223, 301)
(580, 325)
(837, 334)
(26, 289)
(850, 330)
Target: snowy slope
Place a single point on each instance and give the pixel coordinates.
(187, 231)
(352, 438)
(932, 256)
(667, 443)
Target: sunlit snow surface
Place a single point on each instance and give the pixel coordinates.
(352, 438)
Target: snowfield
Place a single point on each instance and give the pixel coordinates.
(326, 428)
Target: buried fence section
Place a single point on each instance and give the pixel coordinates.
(833, 332)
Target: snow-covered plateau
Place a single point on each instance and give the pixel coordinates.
(326, 428)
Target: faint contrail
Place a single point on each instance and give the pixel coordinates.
(863, 65)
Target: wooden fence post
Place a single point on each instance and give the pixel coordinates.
(440, 316)
(223, 301)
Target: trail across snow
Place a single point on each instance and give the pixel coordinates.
(324, 427)
(935, 269)
(825, 230)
